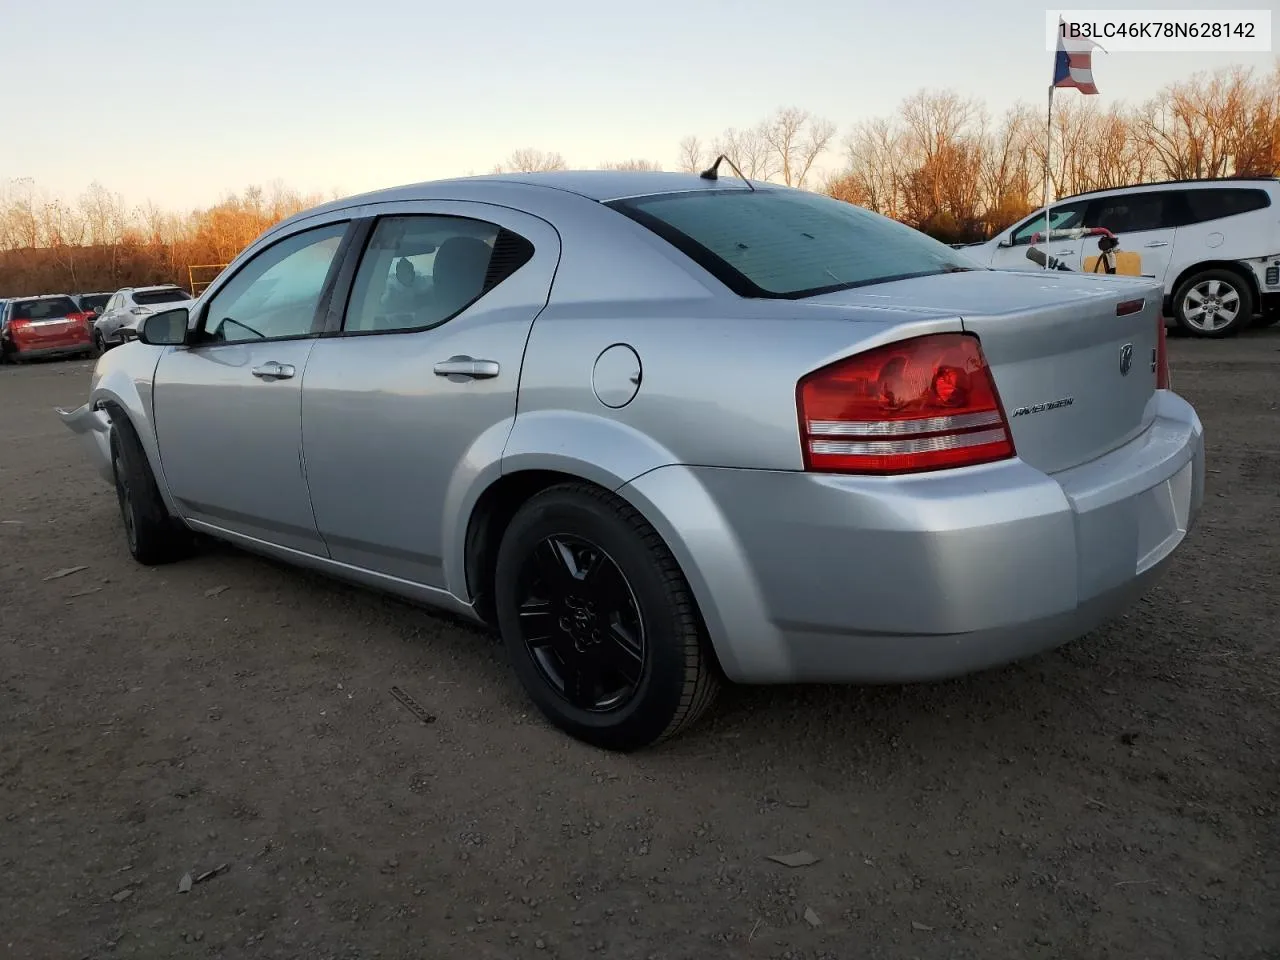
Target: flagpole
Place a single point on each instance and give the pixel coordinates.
(1048, 145)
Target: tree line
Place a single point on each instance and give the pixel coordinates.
(939, 163)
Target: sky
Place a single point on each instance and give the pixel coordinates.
(180, 103)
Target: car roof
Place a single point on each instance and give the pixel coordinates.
(598, 185)
(44, 296)
(158, 286)
(1208, 182)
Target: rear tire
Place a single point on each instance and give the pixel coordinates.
(1213, 304)
(599, 622)
(153, 536)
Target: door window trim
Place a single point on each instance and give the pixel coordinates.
(335, 321)
(326, 289)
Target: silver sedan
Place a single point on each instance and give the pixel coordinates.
(662, 430)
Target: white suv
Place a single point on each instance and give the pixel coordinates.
(1214, 243)
(119, 319)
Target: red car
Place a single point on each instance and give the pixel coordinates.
(45, 326)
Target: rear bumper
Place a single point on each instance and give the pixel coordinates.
(825, 578)
(21, 352)
(94, 429)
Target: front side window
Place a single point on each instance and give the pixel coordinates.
(1064, 217)
(789, 243)
(419, 271)
(275, 294)
(1130, 213)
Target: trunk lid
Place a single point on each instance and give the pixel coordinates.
(1056, 348)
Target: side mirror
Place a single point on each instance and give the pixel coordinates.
(1005, 243)
(165, 329)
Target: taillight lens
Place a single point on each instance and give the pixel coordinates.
(928, 403)
(1162, 356)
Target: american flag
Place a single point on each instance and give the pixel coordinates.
(1073, 65)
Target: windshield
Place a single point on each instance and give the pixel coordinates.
(94, 301)
(790, 243)
(51, 308)
(146, 298)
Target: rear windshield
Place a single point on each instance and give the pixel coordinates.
(148, 297)
(44, 309)
(95, 300)
(790, 244)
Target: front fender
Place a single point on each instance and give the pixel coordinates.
(121, 387)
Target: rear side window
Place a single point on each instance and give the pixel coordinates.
(419, 271)
(790, 244)
(44, 309)
(1131, 212)
(146, 298)
(1204, 205)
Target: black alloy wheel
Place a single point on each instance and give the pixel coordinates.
(599, 622)
(581, 624)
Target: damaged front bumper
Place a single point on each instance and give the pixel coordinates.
(94, 428)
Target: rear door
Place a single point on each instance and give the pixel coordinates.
(422, 367)
(1144, 221)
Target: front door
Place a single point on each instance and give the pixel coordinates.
(1011, 251)
(228, 408)
(424, 370)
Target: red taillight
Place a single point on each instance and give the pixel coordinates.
(1162, 356)
(928, 403)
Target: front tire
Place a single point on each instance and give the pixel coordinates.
(599, 622)
(1213, 304)
(153, 536)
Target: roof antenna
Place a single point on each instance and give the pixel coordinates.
(713, 172)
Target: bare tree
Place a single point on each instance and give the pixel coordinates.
(875, 157)
(749, 149)
(530, 160)
(633, 164)
(692, 155)
(796, 139)
(1208, 125)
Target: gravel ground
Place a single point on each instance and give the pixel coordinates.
(1115, 799)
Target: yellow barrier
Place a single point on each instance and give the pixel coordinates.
(198, 286)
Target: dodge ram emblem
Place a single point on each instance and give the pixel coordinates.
(1126, 359)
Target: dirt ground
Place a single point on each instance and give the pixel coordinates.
(1117, 798)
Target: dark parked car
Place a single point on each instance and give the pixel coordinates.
(91, 302)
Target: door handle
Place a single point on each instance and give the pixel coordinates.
(274, 371)
(1069, 252)
(467, 367)
(1156, 243)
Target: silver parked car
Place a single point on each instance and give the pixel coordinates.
(661, 429)
(119, 318)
